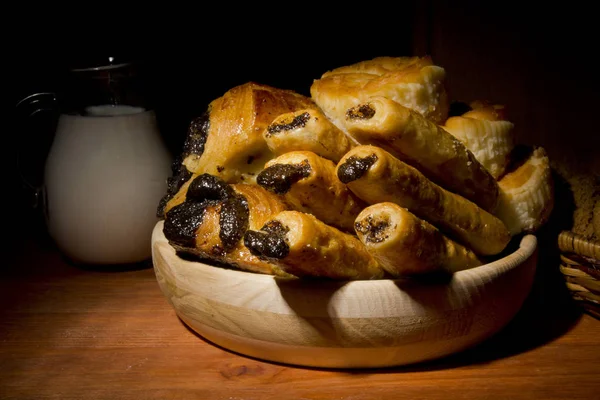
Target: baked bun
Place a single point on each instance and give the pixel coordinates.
(308, 182)
(405, 244)
(376, 176)
(210, 220)
(373, 175)
(414, 82)
(487, 133)
(308, 130)
(227, 141)
(527, 193)
(426, 146)
(304, 246)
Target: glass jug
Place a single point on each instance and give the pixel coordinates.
(107, 167)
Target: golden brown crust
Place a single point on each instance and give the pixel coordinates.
(384, 178)
(256, 205)
(262, 206)
(414, 82)
(408, 67)
(404, 244)
(308, 129)
(527, 194)
(387, 113)
(261, 203)
(317, 190)
(490, 138)
(235, 149)
(311, 248)
(426, 146)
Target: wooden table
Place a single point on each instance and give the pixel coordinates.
(69, 332)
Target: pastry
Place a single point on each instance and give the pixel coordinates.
(404, 244)
(174, 199)
(426, 146)
(309, 183)
(376, 176)
(485, 131)
(307, 129)
(304, 246)
(227, 141)
(414, 82)
(373, 175)
(213, 217)
(527, 193)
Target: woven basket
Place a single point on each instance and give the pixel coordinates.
(580, 265)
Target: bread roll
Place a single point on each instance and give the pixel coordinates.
(404, 244)
(213, 217)
(376, 176)
(305, 246)
(527, 194)
(309, 184)
(487, 134)
(414, 82)
(228, 141)
(309, 130)
(424, 145)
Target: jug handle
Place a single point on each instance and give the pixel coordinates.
(26, 108)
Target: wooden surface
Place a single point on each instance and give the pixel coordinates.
(69, 332)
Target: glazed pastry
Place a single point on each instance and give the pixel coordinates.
(172, 200)
(227, 141)
(414, 82)
(485, 131)
(377, 176)
(426, 146)
(307, 129)
(404, 244)
(309, 183)
(527, 193)
(304, 246)
(213, 217)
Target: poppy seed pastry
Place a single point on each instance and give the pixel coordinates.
(376, 176)
(307, 129)
(309, 183)
(211, 217)
(424, 145)
(229, 141)
(304, 246)
(405, 244)
(414, 82)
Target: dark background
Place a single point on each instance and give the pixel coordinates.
(538, 61)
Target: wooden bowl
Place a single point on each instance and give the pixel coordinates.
(349, 324)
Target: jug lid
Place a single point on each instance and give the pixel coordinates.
(98, 63)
